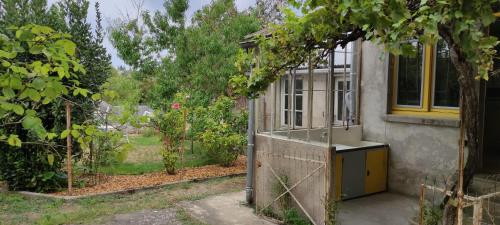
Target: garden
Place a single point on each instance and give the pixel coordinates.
(70, 121)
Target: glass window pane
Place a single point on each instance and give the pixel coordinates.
(298, 102)
(446, 88)
(409, 80)
(299, 86)
(285, 81)
(298, 118)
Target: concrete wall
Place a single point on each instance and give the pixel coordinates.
(295, 160)
(419, 147)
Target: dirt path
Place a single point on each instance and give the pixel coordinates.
(147, 207)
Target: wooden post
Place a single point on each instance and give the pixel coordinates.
(422, 204)
(478, 212)
(69, 146)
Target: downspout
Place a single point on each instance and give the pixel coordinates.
(250, 148)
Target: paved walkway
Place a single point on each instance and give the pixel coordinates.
(379, 209)
(226, 209)
(146, 217)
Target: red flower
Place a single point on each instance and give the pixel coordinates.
(176, 105)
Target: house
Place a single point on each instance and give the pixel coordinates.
(389, 123)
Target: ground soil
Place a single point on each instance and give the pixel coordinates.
(114, 183)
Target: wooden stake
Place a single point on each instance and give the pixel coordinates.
(460, 192)
(184, 112)
(69, 146)
(422, 204)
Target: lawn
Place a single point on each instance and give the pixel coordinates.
(145, 157)
(17, 209)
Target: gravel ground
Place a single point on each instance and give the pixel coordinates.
(146, 217)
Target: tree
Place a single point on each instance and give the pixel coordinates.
(170, 56)
(28, 165)
(326, 24)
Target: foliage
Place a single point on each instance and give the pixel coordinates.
(432, 214)
(285, 201)
(38, 68)
(36, 164)
(333, 210)
(325, 25)
(171, 125)
(193, 59)
(222, 130)
(293, 217)
(170, 157)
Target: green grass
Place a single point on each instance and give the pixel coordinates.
(152, 145)
(139, 141)
(132, 168)
(17, 209)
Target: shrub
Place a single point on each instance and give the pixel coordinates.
(170, 158)
(222, 130)
(170, 123)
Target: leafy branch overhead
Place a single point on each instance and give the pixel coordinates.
(326, 25)
(38, 66)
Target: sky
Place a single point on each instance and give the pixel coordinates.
(115, 9)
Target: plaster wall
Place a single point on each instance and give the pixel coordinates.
(417, 149)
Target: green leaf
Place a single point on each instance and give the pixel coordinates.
(51, 136)
(18, 109)
(8, 55)
(65, 134)
(38, 84)
(9, 93)
(75, 133)
(14, 140)
(32, 94)
(50, 159)
(96, 97)
(69, 46)
(6, 63)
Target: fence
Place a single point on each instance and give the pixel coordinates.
(295, 170)
(481, 204)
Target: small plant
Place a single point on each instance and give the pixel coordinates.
(293, 217)
(169, 160)
(332, 208)
(432, 214)
(284, 202)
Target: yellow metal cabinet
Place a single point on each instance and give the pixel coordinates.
(338, 177)
(376, 171)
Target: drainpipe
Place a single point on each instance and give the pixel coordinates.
(250, 148)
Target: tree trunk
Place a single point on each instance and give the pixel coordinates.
(469, 118)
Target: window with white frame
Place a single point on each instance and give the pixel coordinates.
(295, 110)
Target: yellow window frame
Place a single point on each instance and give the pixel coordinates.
(426, 107)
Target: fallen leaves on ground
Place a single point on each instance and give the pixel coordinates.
(114, 183)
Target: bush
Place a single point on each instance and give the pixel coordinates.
(171, 126)
(169, 160)
(222, 146)
(222, 130)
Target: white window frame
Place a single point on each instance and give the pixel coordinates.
(284, 98)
